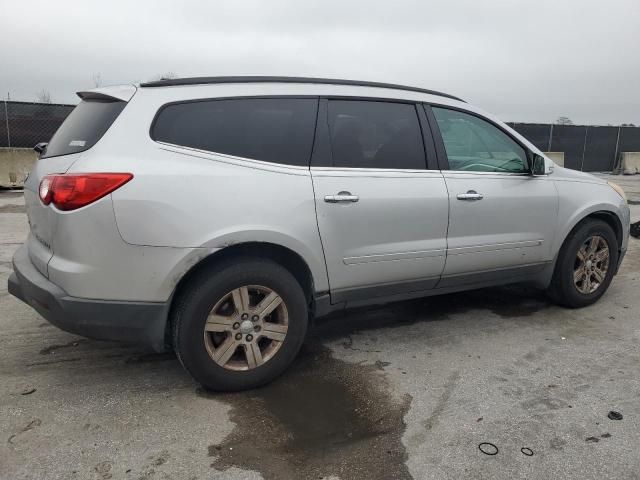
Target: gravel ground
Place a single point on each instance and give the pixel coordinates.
(409, 390)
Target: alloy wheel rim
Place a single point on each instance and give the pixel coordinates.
(591, 265)
(246, 327)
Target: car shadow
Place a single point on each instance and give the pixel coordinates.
(507, 302)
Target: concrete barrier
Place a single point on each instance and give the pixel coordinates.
(15, 165)
(630, 162)
(557, 157)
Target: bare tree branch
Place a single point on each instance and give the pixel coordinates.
(165, 76)
(564, 121)
(97, 80)
(43, 96)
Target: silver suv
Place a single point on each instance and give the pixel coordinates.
(217, 216)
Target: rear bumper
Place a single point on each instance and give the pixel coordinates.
(138, 322)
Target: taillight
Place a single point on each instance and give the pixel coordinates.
(45, 190)
(75, 190)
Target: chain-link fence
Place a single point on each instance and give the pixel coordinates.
(23, 124)
(586, 148)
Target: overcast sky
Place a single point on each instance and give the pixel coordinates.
(524, 61)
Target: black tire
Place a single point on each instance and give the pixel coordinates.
(563, 289)
(200, 295)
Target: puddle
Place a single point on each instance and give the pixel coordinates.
(323, 417)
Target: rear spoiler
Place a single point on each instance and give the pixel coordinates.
(122, 93)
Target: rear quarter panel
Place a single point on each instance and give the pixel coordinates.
(92, 261)
(197, 199)
(134, 243)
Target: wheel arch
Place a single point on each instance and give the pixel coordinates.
(282, 255)
(608, 216)
(614, 222)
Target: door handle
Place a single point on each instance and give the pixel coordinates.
(471, 195)
(342, 197)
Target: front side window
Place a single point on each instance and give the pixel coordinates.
(368, 134)
(278, 130)
(475, 145)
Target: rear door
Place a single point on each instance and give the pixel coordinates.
(501, 217)
(382, 212)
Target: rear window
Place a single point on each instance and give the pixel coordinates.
(276, 130)
(84, 126)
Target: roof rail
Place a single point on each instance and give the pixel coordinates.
(265, 79)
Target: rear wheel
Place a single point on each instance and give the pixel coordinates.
(585, 265)
(239, 325)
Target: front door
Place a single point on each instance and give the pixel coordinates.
(501, 218)
(382, 214)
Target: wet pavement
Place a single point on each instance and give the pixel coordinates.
(409, 390)
(324, 418)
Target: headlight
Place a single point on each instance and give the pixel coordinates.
(618, 189)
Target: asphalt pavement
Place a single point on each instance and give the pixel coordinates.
(409, 390)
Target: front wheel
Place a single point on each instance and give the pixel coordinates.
(585, 265)
(239, 325)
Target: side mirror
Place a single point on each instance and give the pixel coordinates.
(40, 147)
(537, 166)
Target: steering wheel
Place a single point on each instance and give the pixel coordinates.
(504, 166)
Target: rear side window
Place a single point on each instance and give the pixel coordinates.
(84, 126)
(276, 130)
(368, 134)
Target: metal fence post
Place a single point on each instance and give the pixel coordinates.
(615, 156)
(550, 137)
(6, 118)
(584, 148)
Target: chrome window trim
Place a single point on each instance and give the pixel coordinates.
(373, 172)
(233, 160)
(448, 173)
